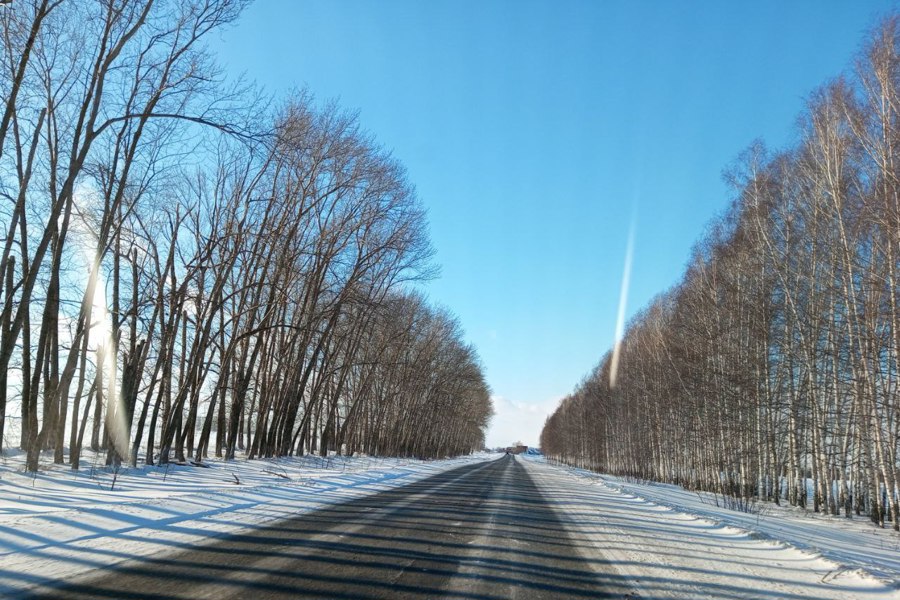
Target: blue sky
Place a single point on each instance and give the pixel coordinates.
(535, 132)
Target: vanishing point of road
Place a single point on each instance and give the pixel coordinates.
(479, 532)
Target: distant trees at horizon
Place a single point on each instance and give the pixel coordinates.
(775, 360)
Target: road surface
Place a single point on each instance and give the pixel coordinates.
(480, 532)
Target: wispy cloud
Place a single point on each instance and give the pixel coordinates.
(518, 421)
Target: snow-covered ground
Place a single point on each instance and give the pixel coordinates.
(660, 539)
(59, 523)
(676, 544)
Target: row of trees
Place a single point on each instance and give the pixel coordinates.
(187, 270)
(771, 371)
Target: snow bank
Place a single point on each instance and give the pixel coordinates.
(851, 544)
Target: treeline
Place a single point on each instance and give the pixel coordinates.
(772, 367)
(188, 271)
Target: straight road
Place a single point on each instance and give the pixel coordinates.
(479, 532)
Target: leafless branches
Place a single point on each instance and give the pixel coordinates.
(771, 371)
(186, 272)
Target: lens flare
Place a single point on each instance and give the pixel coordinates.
(102, 342)
(623, 302)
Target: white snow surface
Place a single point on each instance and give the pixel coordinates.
(677, 544)
(59, 523)
(666, 542)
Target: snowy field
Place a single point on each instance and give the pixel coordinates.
(61, 523)
(671, 543)
(676, 544)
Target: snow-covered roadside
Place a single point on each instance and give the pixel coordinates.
(60, 524)
(671, 546)
(852, 543)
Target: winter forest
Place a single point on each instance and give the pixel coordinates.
(190, 268)
(770, 372)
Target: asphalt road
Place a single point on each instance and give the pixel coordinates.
(481, 531)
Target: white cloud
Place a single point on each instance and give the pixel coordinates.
(514, 422)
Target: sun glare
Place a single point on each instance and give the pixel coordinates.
(623, 302)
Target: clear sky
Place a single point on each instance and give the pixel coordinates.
(537, 132)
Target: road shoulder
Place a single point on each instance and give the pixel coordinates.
(664, 553)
